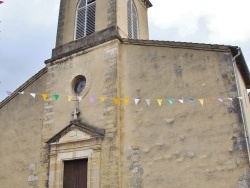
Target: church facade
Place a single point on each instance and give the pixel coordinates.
(115, 109)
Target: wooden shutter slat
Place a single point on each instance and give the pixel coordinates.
(85, 23)
(132, 20)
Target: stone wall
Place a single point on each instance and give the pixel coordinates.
(180, 145)
(173, 145)
(101, 80)
(20, 136)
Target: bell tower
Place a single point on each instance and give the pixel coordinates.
(80, 18)
(85, 66)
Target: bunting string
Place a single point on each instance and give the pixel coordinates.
(127, 100)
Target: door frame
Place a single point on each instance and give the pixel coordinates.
(76, 141)
(59, 153)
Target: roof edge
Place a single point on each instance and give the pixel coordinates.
(147, 3)
(241, 65)
(24, 86)
(177, 44)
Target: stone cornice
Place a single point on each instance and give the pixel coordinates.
(84, 43)
(147, 3)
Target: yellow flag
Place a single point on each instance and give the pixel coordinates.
(45, 96)
(126, 100)
(70, 98)
(102, 99)
(116, 100)
(201, 101)
(159, 101)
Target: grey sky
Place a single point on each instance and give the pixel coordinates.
(28, 31)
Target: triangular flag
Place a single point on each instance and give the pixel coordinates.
(21, 93)
(148, 101)
(201, 101)
(191, 101)
(9, 93)
(92, 99)
(181, 101)
(102, 99)
(126, 100)
(170, 101)
(45, 96)
(159, 101)
(1, 2)
(70, 98)
(136, 101)
(220, 99)
(33, 95)
(79, 98)
(230, 99)
(56, 96)
(116, 100)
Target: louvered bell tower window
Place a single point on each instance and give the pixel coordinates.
(132, 20)
(85, 18)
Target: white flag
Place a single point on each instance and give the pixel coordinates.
(136, 101)
(79, 98)
(33, 95)
(148, 101)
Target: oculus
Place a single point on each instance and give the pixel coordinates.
(78, 84)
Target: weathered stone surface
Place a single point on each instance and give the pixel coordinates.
(175, 145)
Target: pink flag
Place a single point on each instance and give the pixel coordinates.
(92, 99)
(220, 99)
(9, 93)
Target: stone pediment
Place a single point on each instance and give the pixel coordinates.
(77, 130)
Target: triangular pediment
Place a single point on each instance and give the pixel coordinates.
(75, 134)
(77, 130)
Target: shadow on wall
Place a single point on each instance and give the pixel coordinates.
(248, 91)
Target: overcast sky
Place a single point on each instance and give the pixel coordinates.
(28, 31)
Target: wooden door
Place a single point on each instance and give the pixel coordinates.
(75, 174)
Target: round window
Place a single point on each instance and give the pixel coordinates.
(78, 84)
